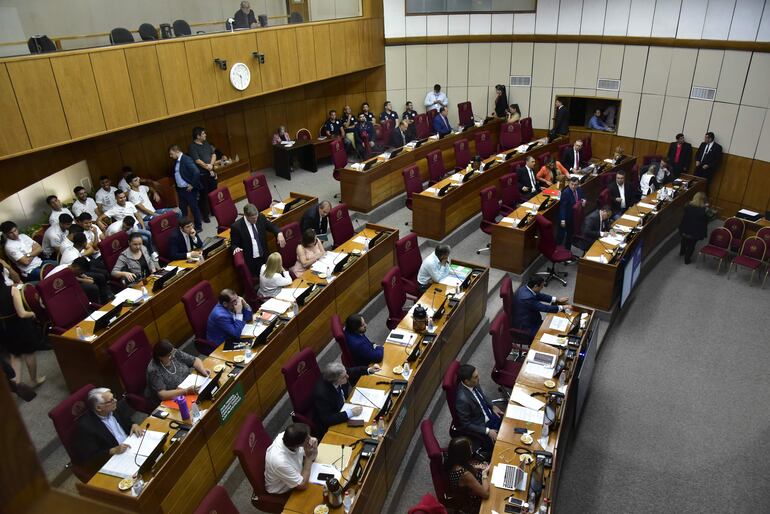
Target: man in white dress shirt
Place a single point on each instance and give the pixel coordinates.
(436, 99)
(289, 459)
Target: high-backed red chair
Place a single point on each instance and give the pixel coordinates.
(462, 153)
(649, 159)
(303, 134)
(604, 197)
(301, 373)
(131, 354)
(764, 235)
(484, 146)
(412, 183)
(520, 339)
(223, 208)
(465, 114)
(633, 176)
(257, 191)
(561, 149)
(718, 245)
(379, 133)
(340, 224)
(64, 300)
(752, 254)
(436, 169)
(250, 284)
(339, 335)
(504, 371)
(293, 237)
(65, 417)
(111, 247)
(527, 134)
(45, 269)
(490, 208)
(543, 158)
(387, 129)
(198, 303)
(422, 127)
(449, 384)
(428, 504)
(587, 150)
(250, 447)
(431, 114)
(605, 179)
(30, 298)
(513, 166)
(578, 215)
(438, 470)
(217, 501)
(510, 196)
(737, 228)
(510, 135)
(551, 251)
(409, 261)
(162, 228)
(395, 297)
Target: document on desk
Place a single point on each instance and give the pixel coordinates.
(512, 221)
(336, 455)
(252, 329)
(524, 414)
(559, 323)
(629, 217)
(276, 306)
(401, 337)
(523, 398)
(123, 465)
(196, 380)
(128, 294)
(322, 469)
(457, 177)
(367, 397)
(451, 281)
(361, 240)
(529, 205)
(609, 240)
(646, 205)
(602, 259)
(431, 190)
(533, 369)
(366, 413)
(622, 228)
(290, 294)
(559, 342)
(329, 260)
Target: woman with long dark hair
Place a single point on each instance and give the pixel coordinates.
(501, 102)
(468, 479)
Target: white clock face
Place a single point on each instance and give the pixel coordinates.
(240, 76)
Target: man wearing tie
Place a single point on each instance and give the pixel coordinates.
(185, 243)
(708, 158)
(188, 183)
(595, 225)
(399, 137)
(476, 416)
(331, 392)
(679, 156)
(527, 183)
(530, 302)
(248, 235)
(441, 123)
(569, 198)
(572, 159)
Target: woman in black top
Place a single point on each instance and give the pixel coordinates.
(468, 479)
(501, 102)
(19, 334)
(693, 226)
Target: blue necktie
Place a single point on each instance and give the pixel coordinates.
(487, 410)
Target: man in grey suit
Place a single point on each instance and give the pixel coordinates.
(476, 416)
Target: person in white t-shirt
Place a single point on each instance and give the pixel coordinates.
(289, 459)
(56, 209)
(124, 225)
(24, 252)
(55, 234)
(124, 209)
(84, 203)
(436, 99)
(105, 195)
(93, 233)
(140, 196)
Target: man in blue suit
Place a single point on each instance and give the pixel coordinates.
(187, 179)
(569, 197)
(228, 317)
(529, 302)
(361, 348)
(441, 123)
(185, 243)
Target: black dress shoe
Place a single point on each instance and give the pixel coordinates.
(207, 220)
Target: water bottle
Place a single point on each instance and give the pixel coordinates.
(79, 332)
(380, 428)
(544, 432)
(347, 502)
(184, 410)
(543, 509)
(195, 412)
(248, 354)
(407, 370)
(138, 486)
(563, 378)
(430, 324)
(144, 293)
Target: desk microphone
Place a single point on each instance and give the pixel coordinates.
(136, 456)
(433, 300)
(280, 198)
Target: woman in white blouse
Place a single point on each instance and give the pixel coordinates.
(648, 183)
(272, 276)
(308, 252)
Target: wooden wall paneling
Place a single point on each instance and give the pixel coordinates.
(144, 70)
(375, 81)
(340, 49)
(757, 195)
(203, 73)
(13, 137)
(227, 48)
(354, 100)
(132, 154)
(287, 49)
(324, 66)
(175, 77)
(247, 45)
(267, 43)
(156, 154)
(336, 86)
(354, 38)
(257, 134)
(644, 147)
(275, 116)
(296, 117)
(316, 113)
(732, 179)
(356, 83)
(78, 93)
(114, 85)
(626, 142)
(377, 100)
(305, 53)
(237, 143)
(336, 102)
(38, 98)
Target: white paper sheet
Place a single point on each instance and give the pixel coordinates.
(535, 370)
(529, 205)
(290, 294)
(368, 397)
(123, 465)
(512, 221)
(500, 156)
(629, 217)
(334, 454)
(451, 281)
(169, 268)
(524, 414)
(646, 205)
(609, 240)
(252, 329)
(193, 379)
(523, 398)
(361, 240)
(457, 177)
(431, 190)
(559, 323)
(553, 340)
(316, 469)
(748, 212)
(128, 294)
(366, 413)
(407, 340)
(276, 306)
(602, 259)
(622, 228)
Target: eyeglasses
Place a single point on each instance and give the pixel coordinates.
(113, 400)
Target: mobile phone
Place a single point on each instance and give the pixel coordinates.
(160, 414)
(325, 476)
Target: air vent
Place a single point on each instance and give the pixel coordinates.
(521, 80)
(703, 93)
(608, 85)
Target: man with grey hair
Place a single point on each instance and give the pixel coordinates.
(331, 392)
(244, 17)
(247, 235)
(317, 218)
(103, 428)
(434, 268)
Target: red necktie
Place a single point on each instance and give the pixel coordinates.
(678, 152)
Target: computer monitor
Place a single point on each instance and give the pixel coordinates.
(160, 283)
(106, 319)
(444, 190)
(341, 264)
(211, 244)
(302, 297)
(262, 337)
(369, 164)
(211, 388)
(395, 151)
(376, 239)
(294, 203)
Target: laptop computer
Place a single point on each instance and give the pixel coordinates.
(161, 282)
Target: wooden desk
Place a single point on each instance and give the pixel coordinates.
(232, 176)
(436, 217)
(515, 248)
(364, 190)
(283, 158)
(598, 284)
(277, 215)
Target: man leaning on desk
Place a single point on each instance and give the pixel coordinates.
(530, 302)
(228, 317)
(331, 392)
(434, 268)
(247, 235)
(185, 243)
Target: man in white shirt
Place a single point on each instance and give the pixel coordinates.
(55, 234)
(124, 225)
(93, 233)
(436, 99)
(24, 252)
(124, 209)
(528, 184)
(105, 195)
(124, 185)
(84, 203)
(56, 209)
(139, 195)
(434, 268)
(623, 195)
(289, 459)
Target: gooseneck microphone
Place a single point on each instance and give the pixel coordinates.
(136, 456)
(280, 197)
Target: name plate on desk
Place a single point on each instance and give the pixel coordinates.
(230, 403)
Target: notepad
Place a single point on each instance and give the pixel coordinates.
(609, 240)
(128, 294)
(290, 294)
(336, 455)
(559, 323)
(366, 412)
(530, 368)
(401, 337)
(524, 414)
(193, 379)
(512, 221)
(322, 469)
(451, 281)
(368, 397)
(252, 330)
(629, 217)
(553, 340)
(124, 464)
(646, 205)
(275, 305)
(523, 398)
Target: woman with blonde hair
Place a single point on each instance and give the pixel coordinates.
(272, 276)
(694, 225)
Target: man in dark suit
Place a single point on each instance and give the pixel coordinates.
(317, 218)
(188, 183)
(476, 416)
(185, 243)
(100, 432)
(248, 235)
(622, 195)
(530, 302)
(331, 392)
(361, 348)
(560, 121)
(441, 124)
(679, 156)
(400, 136)
(528, 185)
(569, 197)
(595, 225)
(708, 158)
(572, 158)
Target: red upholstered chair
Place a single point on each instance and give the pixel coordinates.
(422, 127)
(303, 134)
(111, 247)
(198, 303)
(484, 146)
(339, 158)
(436, 169)
(431, 114)
(649, 159)
(301, 373)
(395, 297)
(737, 228)
(527, 134)
(379, 134)
(561, 149)
(64, 300)
(718, 245)
(510, 196)
(162, 228)
(409, 261)
(465, 114)
(217, 501)
(293, 236)
(605, 179)
(490, 208)
(428, 505)
(45, 269)
(250, 447)
(633, 176)
(504, 371)
(387, 128)
(131, 354)
(257, 191)
(752, 254)
(587, 151)
(223, 207)
(65, 417)
(578, 215)
(462, 154)
(513, 166)
(438, 470)
(30, 297)
(510, 135)
(340, 224)
(542, 159)
(339, 335)
(520, 339)
(604, 197)
(250, 284)
(551, 251)
(412, 183)
(449, 384)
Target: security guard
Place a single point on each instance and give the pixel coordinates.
(389, 114)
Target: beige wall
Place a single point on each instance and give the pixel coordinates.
(334, 9)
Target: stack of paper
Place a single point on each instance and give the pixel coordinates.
(431, 190)
(123, 465)
(529, 205)
(602, 259)
(629, 217)
(276, 306)
(457, 177)
(322, 469)
(290, 294)
(553, 340)
(512, 221)
(524, 414)
(366, 413)
(609, 240)
(523, 398)
(368, 397)
(196, 380)
(406, 339)
(536, 370)
(128, 294)
(252, 330)
(451, 281)
(559, 323)
(361, 240)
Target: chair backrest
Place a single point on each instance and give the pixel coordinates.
(764, 235)
(223, 207)
(340, 224)
(721, 238)
(217, 501)
(510, 135)
(262, 19)
(408, 256)
(435, 453)
(162, 228)
(378, 134)
(633, 176)
(587, 151)
(506, 295)
(46, 268)
(449, 385)
(465, 114)
(513, 166)
(562, 148)
(119, 36)
(462, 153)
(500, 330)
(339, 155)
(431, 115)
(148, 32)
(421, 126)
(547, 242)
(250, 447)
(484, 146)
(436, 168)
(64, 299)
(257, 191)
(295, 17)
(198, 302)
(605, 179)
(387, 128)
(111, 247)
(490, 206)
(65, 417)
(249, 284)
(30, 297)
(303, 134)
(395, 296)
(412, 182)
(293, 236)
(604, 198)
(578, 214)
(649, 159)
(301, 372)
(736, 226)
(131, 354)
(40, 45)
(753, 247)
(181, 28)
(543, 158)
(527, 134)
(339, 335)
